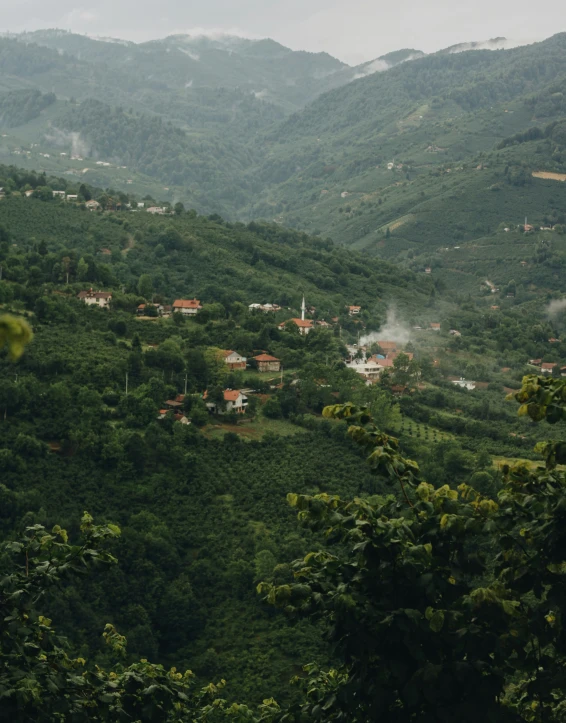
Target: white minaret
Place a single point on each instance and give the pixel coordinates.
(303, 308)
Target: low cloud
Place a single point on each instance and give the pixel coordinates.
(190, 53)
(217, 33)
(493, 44)
(380, 65)
(376, 66)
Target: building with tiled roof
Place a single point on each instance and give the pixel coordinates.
(234, 401)
(267, 363)
(234, 360)
(304, 325)
(95, 298)
(188, 307)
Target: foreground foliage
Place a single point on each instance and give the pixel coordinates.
(444, 606)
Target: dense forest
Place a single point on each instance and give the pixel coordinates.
(21, 106)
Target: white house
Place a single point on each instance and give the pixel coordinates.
(92, 205)
(96, 298)
(264, 307)
(234, 360)
(72, 197)
(59, 194)
(234, 401)
(463, 383)
(370, 368)
(188, 307)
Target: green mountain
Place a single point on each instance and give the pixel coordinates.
(263, 68)
(221, 145)
(392, 162)
(375, 153)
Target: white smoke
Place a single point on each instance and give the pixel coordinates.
(393, 330)
(556, 307)
(71, 140)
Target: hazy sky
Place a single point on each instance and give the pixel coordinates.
(353, 30)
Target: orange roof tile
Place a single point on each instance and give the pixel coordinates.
(266, 358)
(186, 304)
(231, 395)
(301, 323)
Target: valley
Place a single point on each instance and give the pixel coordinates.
(261, 281)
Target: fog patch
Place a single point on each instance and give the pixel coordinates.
(190, 53)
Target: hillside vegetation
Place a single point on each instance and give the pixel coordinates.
(233, 147)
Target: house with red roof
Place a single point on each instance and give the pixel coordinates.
(234, 401)
(304, 325)
(267, 363)
(187, 307)
(547, 367)
(354, 310)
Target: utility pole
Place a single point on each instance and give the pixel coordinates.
(281, 374)
(126, 383)
(186, 378)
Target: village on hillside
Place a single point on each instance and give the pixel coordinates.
(391, 362)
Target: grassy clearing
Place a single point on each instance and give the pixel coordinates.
(255, 429)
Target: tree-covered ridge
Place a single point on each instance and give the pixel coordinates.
(20, 106)
(186, 253)
(287, 78)
(426, 116)
(160, 149)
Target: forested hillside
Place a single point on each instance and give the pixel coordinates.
(392, 150)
